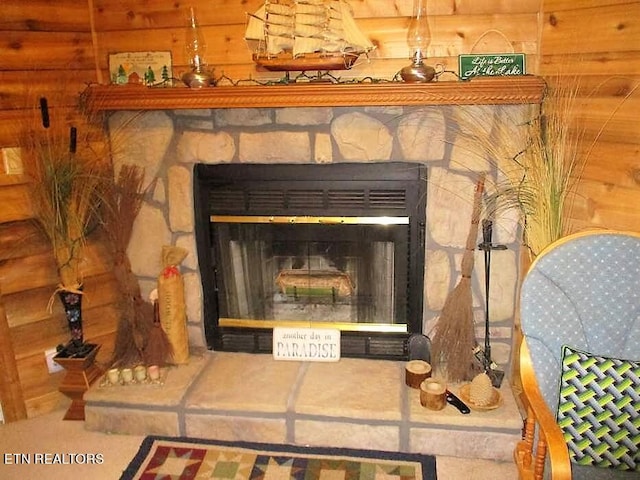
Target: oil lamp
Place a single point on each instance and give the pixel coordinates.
(195, 48)
(418, 37)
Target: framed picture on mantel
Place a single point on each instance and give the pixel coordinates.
(139, 68)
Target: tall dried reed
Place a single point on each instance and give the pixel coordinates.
(538, 160)
(68, 178)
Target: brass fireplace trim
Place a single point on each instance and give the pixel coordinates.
(309, 220)
(343, 326)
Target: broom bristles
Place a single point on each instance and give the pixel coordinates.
(454, 338)
(125, 352)
(158, 350)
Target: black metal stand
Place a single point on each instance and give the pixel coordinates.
(487, 247)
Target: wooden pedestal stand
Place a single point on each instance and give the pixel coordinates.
(81, 372)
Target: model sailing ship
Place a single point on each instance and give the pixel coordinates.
(299, 35)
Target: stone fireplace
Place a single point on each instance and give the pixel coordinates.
(170, 142)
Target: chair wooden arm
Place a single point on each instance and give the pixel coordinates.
(530, 455)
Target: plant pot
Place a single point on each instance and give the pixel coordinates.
(81, 372)
(72, 304)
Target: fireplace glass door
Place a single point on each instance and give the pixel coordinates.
(349, 273)
(312, 246)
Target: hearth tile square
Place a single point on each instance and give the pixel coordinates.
(353, 388)
(463, 443)
(244, 382)
(236, 428)
(348, 435)
(176, 381)
(131, 421)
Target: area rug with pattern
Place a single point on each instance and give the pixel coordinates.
(190, 458)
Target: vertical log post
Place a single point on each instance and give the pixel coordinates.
(10, 389)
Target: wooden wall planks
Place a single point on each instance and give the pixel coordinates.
(456, 27)
(47, 49)
(597, 42)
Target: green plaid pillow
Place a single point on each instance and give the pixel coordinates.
(599, 410)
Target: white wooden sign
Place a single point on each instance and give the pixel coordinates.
(306, 344)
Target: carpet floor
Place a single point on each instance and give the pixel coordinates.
(187, 459)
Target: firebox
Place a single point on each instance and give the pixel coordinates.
(324, 245)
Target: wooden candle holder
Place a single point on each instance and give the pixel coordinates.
(433, 394)
(416, 371)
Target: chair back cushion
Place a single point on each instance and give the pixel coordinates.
(583, 291)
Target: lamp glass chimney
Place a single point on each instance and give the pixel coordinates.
(418, 35)
(195, 45)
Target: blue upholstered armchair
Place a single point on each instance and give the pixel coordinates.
(580, 359)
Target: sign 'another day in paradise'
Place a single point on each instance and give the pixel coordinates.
(306, 344)
(491, 65)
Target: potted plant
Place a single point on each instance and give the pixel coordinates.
(66, 189)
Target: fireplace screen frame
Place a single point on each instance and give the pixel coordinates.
(311, 193)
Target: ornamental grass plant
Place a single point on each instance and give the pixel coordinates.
(538, 161)
(69, 173)
(539, 157)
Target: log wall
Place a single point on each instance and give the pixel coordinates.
(54, 49)
(46, 50)
(597, 44)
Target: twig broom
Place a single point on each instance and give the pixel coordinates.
(454, 337)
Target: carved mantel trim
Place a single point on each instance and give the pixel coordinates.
(481, 91)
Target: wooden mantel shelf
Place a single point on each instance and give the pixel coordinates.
(482, 91)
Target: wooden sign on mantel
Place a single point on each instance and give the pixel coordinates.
(306, 344)
(491, 65)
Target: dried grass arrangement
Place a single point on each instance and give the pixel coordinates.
(123, 201)
(538, 161)
(137, 338)
(69, 176)
(68, 173)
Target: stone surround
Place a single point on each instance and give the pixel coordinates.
(353, 403)
(168, 143)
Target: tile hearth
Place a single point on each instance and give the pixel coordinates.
(353, 403)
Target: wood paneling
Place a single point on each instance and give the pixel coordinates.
(35, 51)
(614, 28)
(16, 203)
(48, 47)
(17, 93)
(21, 239)
(31, 306)
(11, 391)
(451, 35)
(152, 14)
(556, 5)
(596, 43)
(39, 270)
(45, 16)
(614, 163)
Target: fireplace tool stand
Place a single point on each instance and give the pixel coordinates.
(484, 356)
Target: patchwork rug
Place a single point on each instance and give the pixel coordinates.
(189, 458)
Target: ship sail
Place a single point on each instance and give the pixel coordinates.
(305, 35)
